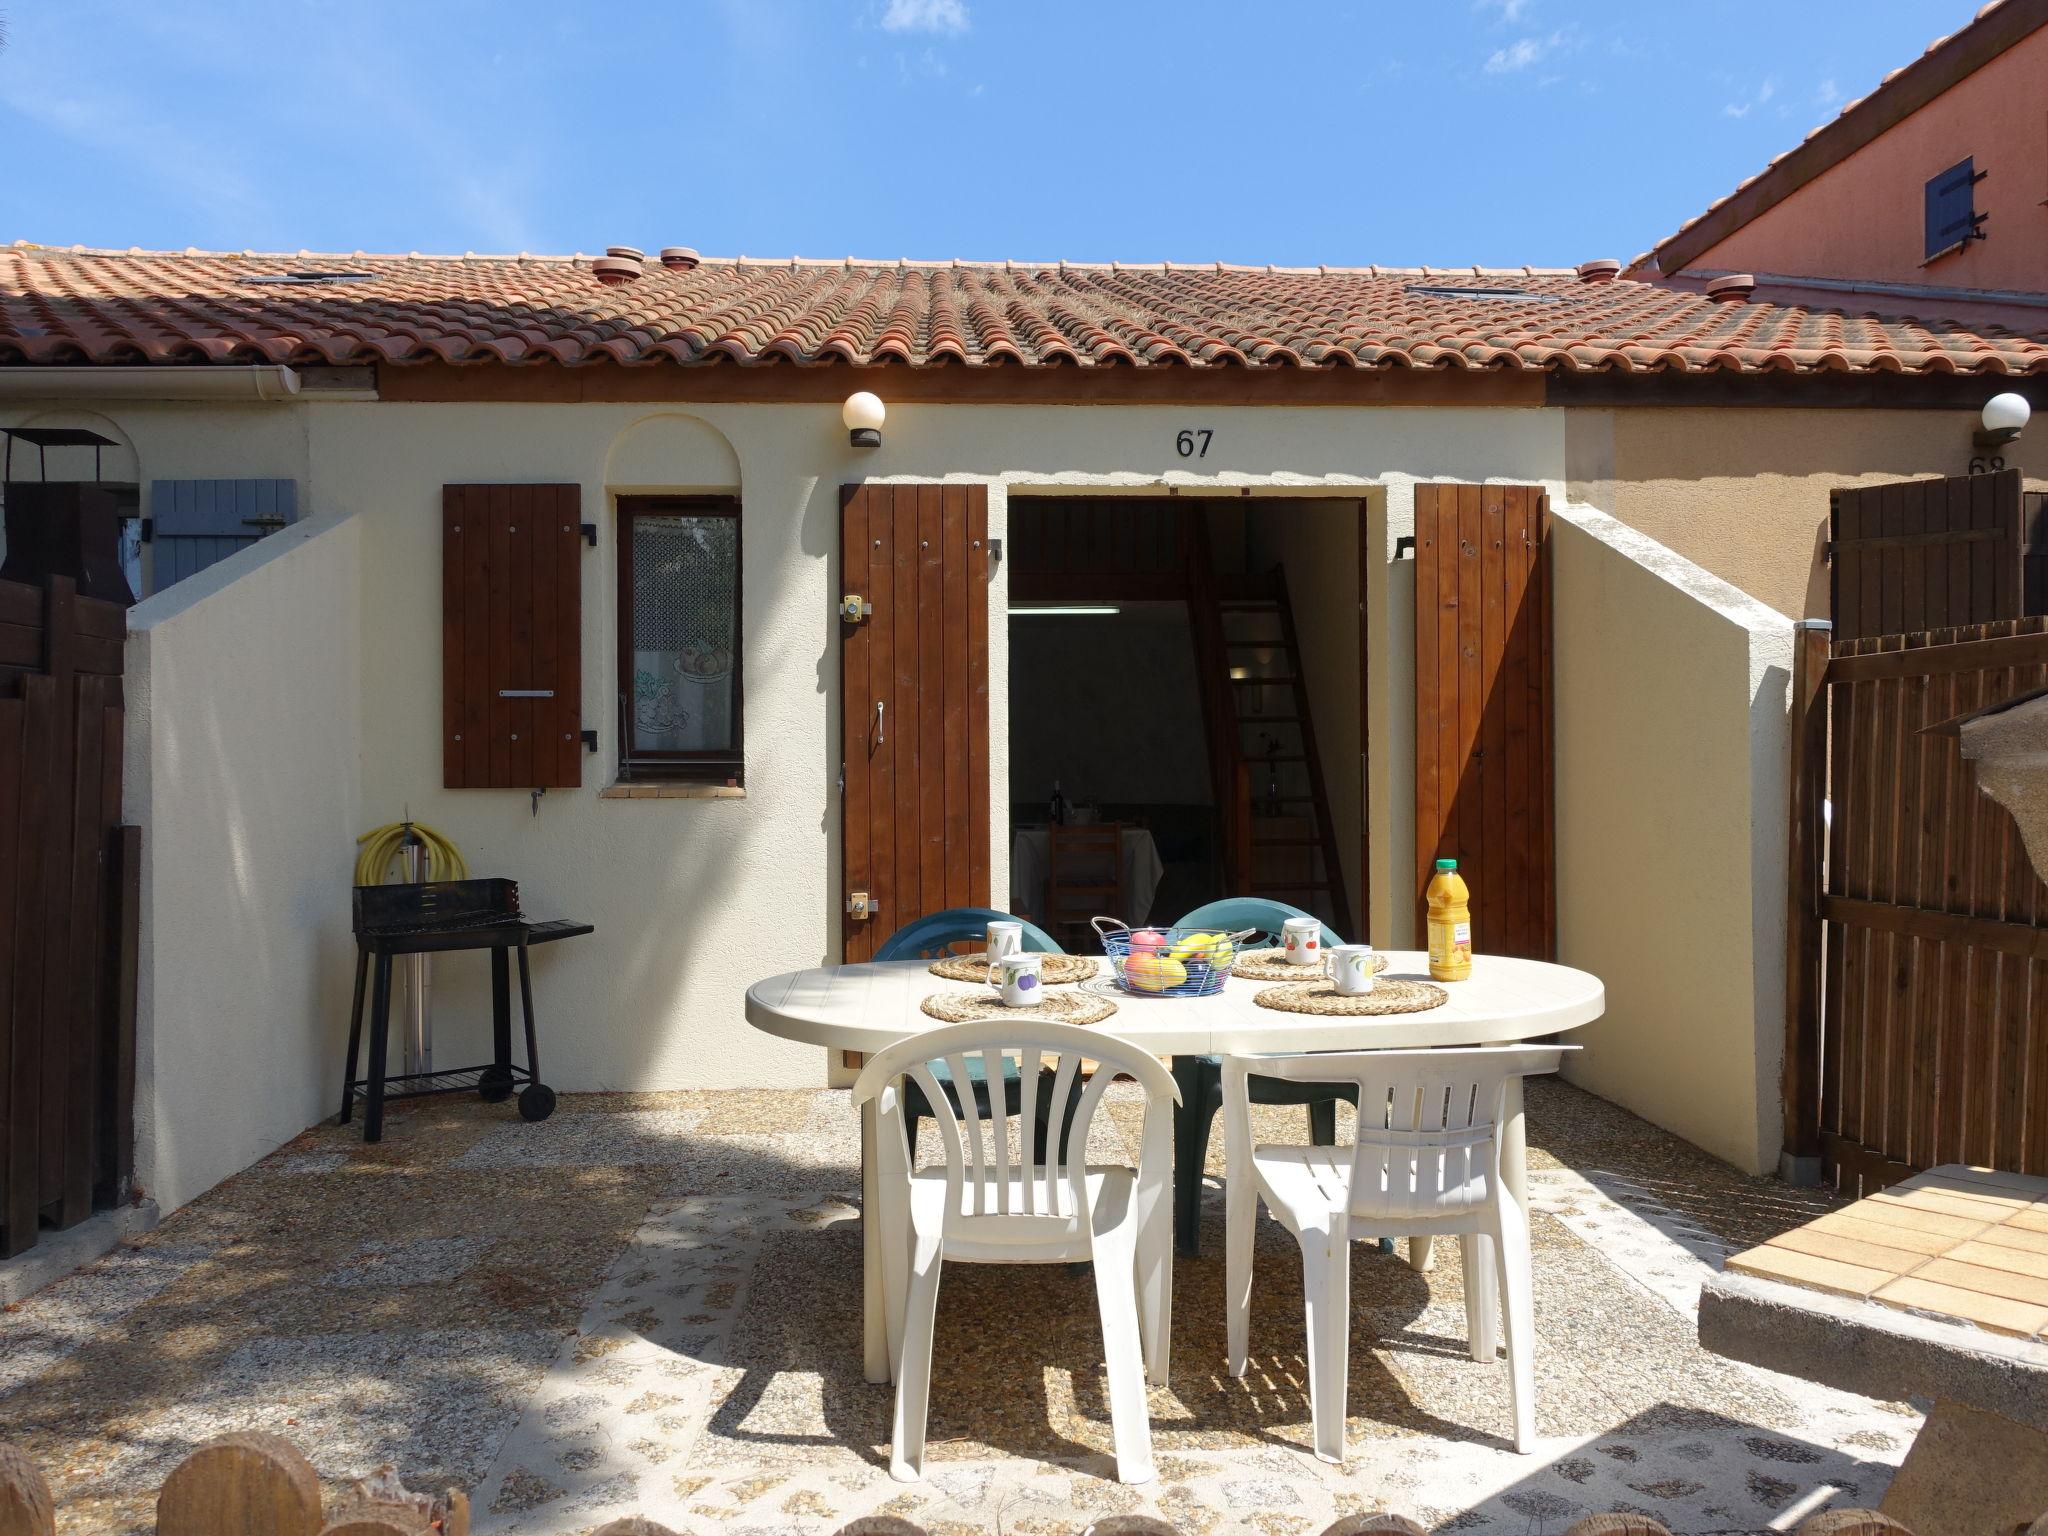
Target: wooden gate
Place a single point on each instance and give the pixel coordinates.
(69, 907)
(913, 687)
(1483, 741)
(1918, 988)
(1920, 555)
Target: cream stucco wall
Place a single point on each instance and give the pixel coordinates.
(693, 899)
(1672, 770)
(1744, 492)
(244, 769)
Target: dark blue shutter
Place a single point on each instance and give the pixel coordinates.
(196, 522)
(1951, 208)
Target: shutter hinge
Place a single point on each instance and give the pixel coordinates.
(853, 608)
(148, 529)
(590, 534)
(1405, 545)
(589, 740)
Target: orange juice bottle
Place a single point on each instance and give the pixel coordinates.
(1450, 924)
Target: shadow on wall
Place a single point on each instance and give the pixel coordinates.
(1744, 491)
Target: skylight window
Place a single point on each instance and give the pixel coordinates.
(310, 277)
(1515, 295)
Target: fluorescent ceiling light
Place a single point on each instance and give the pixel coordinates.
(1068, 610)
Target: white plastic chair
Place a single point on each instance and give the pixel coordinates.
(1424, 1162)
(988, 1205)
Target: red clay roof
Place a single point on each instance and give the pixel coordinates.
(77, 306)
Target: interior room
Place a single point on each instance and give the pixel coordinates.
(1170, 661)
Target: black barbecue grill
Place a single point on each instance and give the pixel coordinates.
(433, 917)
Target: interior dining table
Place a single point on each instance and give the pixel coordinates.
(1030, 862)
(866, 1007)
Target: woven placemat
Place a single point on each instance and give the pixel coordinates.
(1271, 965)
(1065, 1007)
(1058, 970)
(1385, 997)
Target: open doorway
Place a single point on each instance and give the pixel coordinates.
(1185, 707)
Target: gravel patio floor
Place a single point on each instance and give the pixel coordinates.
(650, 1304)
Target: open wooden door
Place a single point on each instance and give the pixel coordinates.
(913, 687)
(1483, 737)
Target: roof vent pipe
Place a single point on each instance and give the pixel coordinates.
(1730, 287)
(1604, 270)
(626, 252)
(679, 257)
(613, 269)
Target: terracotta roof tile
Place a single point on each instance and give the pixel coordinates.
(76, 306)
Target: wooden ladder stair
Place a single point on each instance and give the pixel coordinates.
(1293, 837)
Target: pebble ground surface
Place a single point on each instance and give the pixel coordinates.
(650, 1304)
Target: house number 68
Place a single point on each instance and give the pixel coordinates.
(1193, 442)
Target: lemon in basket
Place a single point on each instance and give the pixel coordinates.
(1154, 972)
(1212, 947)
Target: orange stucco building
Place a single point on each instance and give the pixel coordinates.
(1935, 183)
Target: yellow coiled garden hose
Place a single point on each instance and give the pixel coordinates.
(380, 847)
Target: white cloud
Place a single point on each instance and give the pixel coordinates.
(1521, 53)
(1828, 94)
(1510, 10)
(1741, 107)
(943, 16)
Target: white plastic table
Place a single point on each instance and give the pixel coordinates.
(871, 1006)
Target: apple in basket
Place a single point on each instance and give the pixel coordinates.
(1153, 972)
(1147, 941)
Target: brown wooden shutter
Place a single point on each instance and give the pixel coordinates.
(914, 812)
(1925, 554)
(511, 637)
(1484, 745)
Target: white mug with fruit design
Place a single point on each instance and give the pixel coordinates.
(1301, 938)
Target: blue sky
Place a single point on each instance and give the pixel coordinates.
(1397, 131)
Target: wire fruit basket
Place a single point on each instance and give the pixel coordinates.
(1168, 962)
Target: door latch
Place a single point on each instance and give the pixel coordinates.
(862, 906)
(853, 608)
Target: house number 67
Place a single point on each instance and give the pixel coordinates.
(1193, 442)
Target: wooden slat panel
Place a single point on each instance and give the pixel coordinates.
(916, 811)
(24, 1087)
(568, 647)
(1428, 689)
(856, 646)
(952, 546)
(17, 1217)
(1501, 927)
(1483, 744)
(454, 575)
(79, 1038)
(511, 594)
(899, 763)
(931, 718)
(1934, 1025)
(982, 825)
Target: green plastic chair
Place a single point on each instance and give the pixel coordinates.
(930, 938)
(1201, 1077)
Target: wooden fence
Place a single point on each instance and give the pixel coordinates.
(261, 1485)
(1917, 992)
(70, 891)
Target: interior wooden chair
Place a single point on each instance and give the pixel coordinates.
(1084, 875)
(1425, 1161)
(991, 1204)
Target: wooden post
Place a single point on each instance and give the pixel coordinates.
(26, 1508)
(1812, 642)
(241, 1485)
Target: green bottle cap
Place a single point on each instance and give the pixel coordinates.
(1444, 864)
